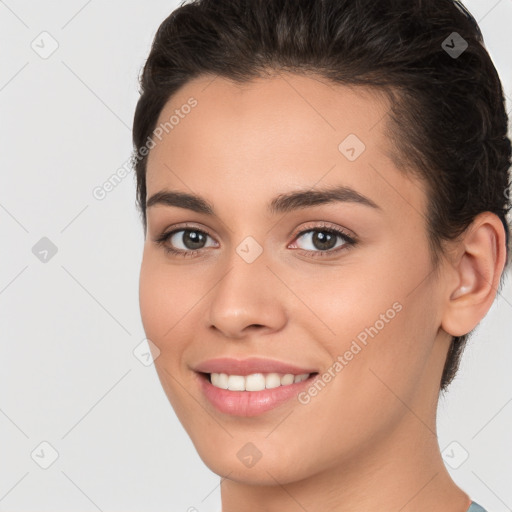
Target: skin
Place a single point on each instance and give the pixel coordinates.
(367, 441)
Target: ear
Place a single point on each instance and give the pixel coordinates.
(476, 271)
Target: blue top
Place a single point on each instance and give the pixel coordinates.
(475, 507)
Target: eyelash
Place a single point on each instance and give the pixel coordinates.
(350, 241)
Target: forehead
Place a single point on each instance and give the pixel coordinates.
(282, 131)
(283, 111)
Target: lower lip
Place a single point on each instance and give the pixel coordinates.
(250, 403)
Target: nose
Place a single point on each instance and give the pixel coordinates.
(248, 298)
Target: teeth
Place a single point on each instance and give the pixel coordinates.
(255, 381)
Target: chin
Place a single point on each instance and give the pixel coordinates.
(236, 464)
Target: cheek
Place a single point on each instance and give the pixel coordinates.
(163, 306)
(170, 298)
(380, 321)
(162, 301)
(165, 295)
(348, 302)
(152, 298)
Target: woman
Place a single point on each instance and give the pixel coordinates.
(323, 188)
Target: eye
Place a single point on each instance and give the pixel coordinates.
(192, 241)
(323, 240)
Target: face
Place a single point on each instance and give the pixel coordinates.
(341, 287)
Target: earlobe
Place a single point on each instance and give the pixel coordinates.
(477, 271)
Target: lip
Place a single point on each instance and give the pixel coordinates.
(249, 365)
(250, 403)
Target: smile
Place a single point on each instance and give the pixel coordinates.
(248, 395)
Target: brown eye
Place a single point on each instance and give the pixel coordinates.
(190, 239)
(183, 242)
(323, 240)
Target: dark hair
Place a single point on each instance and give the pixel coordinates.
(447, 120)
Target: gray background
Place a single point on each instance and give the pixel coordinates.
(68, 373)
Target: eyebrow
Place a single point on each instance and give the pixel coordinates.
(283, 203)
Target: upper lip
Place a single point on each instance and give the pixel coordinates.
(250, 365)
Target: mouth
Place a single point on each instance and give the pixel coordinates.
(253, 394)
